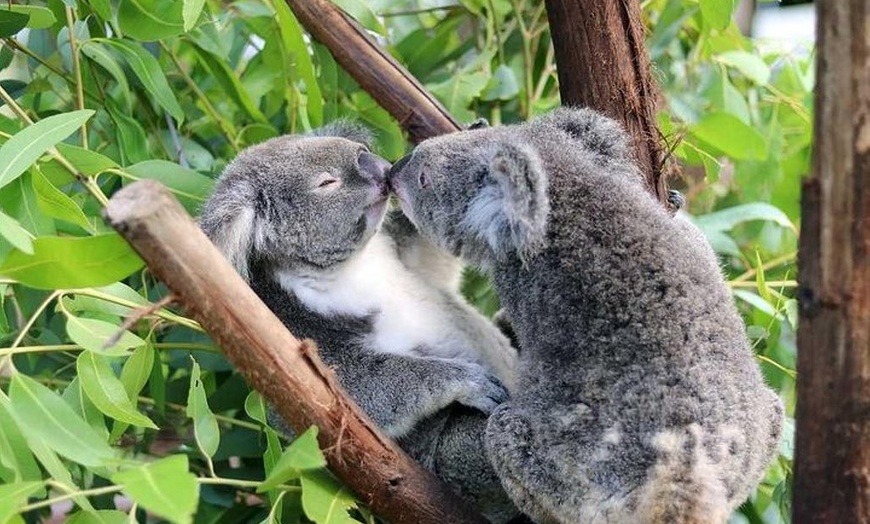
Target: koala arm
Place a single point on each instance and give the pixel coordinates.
(398, 391)
(423, 258)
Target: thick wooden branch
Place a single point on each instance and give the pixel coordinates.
(286, 371)
(832, 462)
(603, 64)
(387, 81)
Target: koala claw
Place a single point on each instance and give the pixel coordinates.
(482, 391)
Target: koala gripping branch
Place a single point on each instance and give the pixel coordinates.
(287, 371)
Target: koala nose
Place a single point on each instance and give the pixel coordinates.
(373, 167)
(397, 167)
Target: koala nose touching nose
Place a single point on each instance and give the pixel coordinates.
(375, 168)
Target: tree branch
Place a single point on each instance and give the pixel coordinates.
(287, 371)
(390, 84)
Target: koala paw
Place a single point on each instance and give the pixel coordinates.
(477, 388)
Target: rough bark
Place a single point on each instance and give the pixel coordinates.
(603, 64)
(390, 84)
(287, 371)
(832, 464)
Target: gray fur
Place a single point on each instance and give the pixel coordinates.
(271, 219)
(638, 397)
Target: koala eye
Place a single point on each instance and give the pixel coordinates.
(424, 179)
(326, 182)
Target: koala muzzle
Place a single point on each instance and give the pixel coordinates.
(374, 168)
(397, 168)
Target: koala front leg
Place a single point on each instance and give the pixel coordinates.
(398, 391)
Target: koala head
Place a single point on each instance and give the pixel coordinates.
(309, 200)
(480, 194)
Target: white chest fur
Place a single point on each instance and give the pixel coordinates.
(407, 312)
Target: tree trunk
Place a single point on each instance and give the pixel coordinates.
(286, 371)
(832, 464)
(603, 64)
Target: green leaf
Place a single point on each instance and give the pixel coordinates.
(136, 370)
(26, 146)
(149, 20)
(205, 426)
(16, 461)
(727, 219)
(147, 69)
(12, 231)
(457, 93)
(190, 12)
(44, 416)
(72, 262)
(93, 334)
(728, 134)
(14, 496)
(100, 54)
(164, 487)
(325, 500)
(38, 17)
(255, 407)
(103, 516)
(190, 187)
(749, 64)
(301, 455)
(11, 22)
(132, 140)
(502, 86)
(717, 13)
(361, 11)
(294, 43)
(83, 407)
(230, 83)
(54, 203)
(105, 390)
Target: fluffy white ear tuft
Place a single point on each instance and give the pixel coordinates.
(234, 236)
(509, 213)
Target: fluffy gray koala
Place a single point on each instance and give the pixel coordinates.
(300, 217)
(638, 398)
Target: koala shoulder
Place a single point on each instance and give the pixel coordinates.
(599, 134)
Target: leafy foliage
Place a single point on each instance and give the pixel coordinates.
(97, 94)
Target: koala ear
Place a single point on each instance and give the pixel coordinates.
(230, 227)
(480, 123)
(343, 128)
(510, 211)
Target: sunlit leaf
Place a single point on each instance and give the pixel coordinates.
(16, 235)
(164, 487)
(728, 134)
(149, 20)
(43, 415)
(717, 13)
(751, 65)
(38, 17)
(16, 461)
(190, 12)
(190, 187)
(103, 516)
(25, 147)
(55, 203)
(14, 496)
(72, 262)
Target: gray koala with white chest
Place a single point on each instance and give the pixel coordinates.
(302, 220)
(638, 398)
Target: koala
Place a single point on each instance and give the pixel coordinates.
(638, 399)
(302, 219)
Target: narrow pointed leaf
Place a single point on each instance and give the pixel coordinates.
(93, 334)
(25, 147)
(44, 416)
(14, 496)
(16, 461)
(54, 203)
(325, 500)
(190, 12)
(16, 235)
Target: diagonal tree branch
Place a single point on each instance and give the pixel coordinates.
(287, 371)
(390, 84)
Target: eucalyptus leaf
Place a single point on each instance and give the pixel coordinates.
(38, 17)
(11, 22)
(190, 187)
(72, 262)
(325, 500)
(136, 370)
(190, 12)
(149, 20)
(728, 134)
(25, 147)
(717, 13)
(106, 391)
(205, 426)
(16, 461)
(54, 203)
(751, 65)
(103, 516)
(43, 415)
(727, 219)
(93, 334)
(303, 454)
(147, 69)
(14, 496)
(164, 487)
(16, 235)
